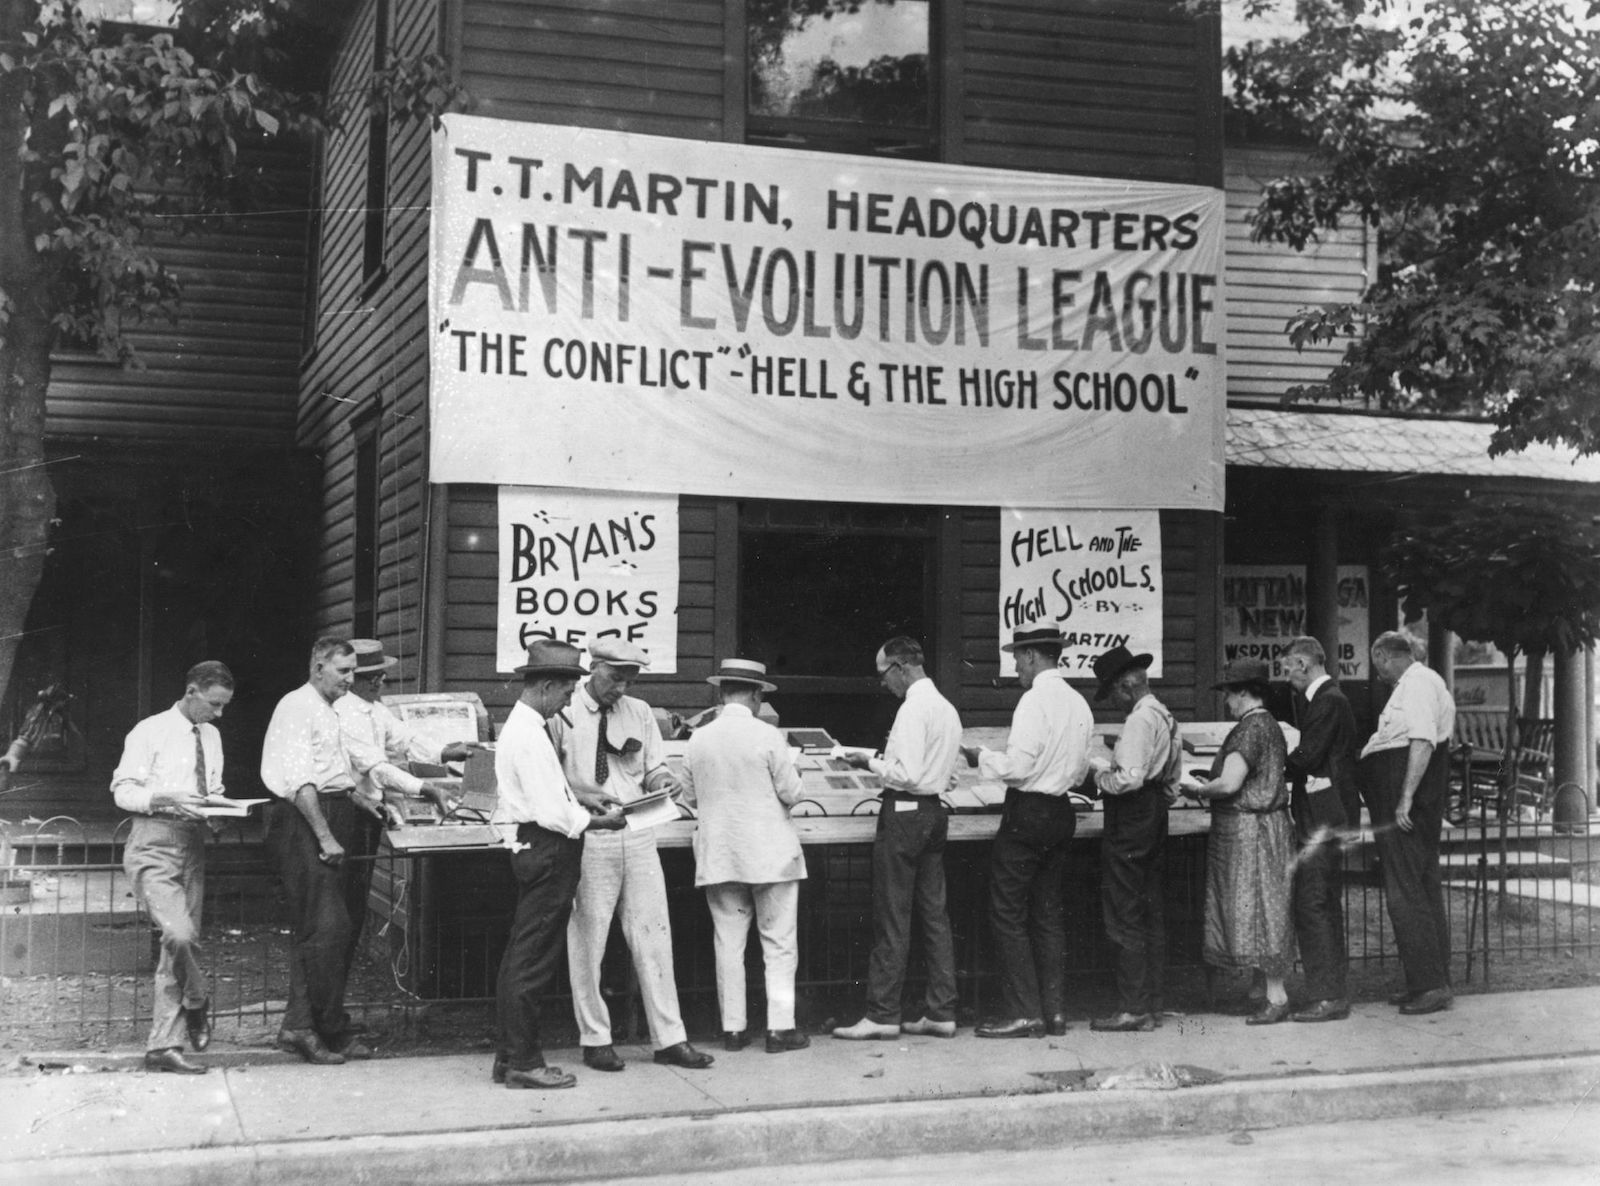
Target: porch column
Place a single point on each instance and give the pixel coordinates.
(1591, 738)
(1322, 583)
(1571, 713)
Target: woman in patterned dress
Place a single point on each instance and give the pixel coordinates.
(1250, 854)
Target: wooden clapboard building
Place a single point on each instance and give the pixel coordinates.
(1124, 89)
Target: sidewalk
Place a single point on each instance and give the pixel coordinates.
(260, 1117)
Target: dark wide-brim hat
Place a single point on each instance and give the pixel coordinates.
(742, 671)
(1043, 636)
(1244, 673)
(370, 656)
(555, 659)
(1109, 666)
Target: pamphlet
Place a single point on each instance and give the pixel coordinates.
(650, 811)
(221, 807)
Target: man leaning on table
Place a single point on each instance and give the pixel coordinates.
(170, 763)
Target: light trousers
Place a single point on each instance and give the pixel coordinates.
(775, 908)
(165, 859)
(621, 871)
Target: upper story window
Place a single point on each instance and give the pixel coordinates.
(842, 76)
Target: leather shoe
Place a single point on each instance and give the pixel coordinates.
(1021, 1027)
(602, 1058)
(308, 1046)
(352, 1048)
(198, 1022)
(1270, 1015)
(783, 1041)
(1327, 1010)
(172, 1061)
(927, 1027)
(1403, 997)
(1056, 1025)
(539, 1079)
(1123, 1023)
(867, 1030)
(681, 1054)
(1432, 1001)
(735, 1039)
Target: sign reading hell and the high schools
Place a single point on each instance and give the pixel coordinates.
(629, 312)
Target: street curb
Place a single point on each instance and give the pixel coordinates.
(725, 1140)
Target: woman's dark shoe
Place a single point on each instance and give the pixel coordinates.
(1270, 1015)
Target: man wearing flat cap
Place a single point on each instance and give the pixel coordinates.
(542, 821)
(1046, 757)
(1137, 785)
(612, 747)
(738, 774)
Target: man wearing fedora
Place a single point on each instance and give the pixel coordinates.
(542, 821)
(918, 765)
(1046, 757)
(1137, 785)
(378, 744)
(739, 776)
(613, 747)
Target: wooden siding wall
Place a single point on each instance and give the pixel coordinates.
(1268, 283)
(224, 373)
(370, 352)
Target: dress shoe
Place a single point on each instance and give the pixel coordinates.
(1021, 1027)
(198, 1022)
(308, 1046)
(783, 1041)
(1432, 1001)
(681, 1054)
(498, 1074)
(351, 1047)
(1056, 1025)
(602, 1058)
(1124, 1023)
(735, 1039)
(925, 1026)
(867, 1030)
(539, 1079)
(172, 1061)
(1403, 997)
(1270, 1014)
(1327, 1010)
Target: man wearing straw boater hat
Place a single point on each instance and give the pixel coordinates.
(1046, 756)
(613, 747)
(542, 820)
(1137, 785)
(738, 774)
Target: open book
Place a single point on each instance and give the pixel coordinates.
(220, 806)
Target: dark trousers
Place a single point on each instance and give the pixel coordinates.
(1027, 916)
(1132, 863)
(365, 833)
(546, 873)
(1411, 878)
(907, 878)
(1319, 918)
(319, 914)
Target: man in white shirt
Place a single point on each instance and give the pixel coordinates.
(1046, 757)
(542, 820)
(170, 763)
(310, 826)
(1405, 772)
(917, 766)
(613, 747)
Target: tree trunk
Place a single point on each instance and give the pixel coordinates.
(1533, 686)
(27, 498)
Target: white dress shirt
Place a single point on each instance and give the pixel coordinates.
(1420, 708)
(158, 755)
(533, 789)
(1048, 749)
(924, 744)
(376, 741)
(304, 747)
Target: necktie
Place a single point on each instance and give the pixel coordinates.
(602, 766)
(199, 763)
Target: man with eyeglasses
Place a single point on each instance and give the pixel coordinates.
(917, 766)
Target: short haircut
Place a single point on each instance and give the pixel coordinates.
(329, 648)
(209, 674)
(1394, 643)
(1050, 650)
(532, 679)
(903, 649)
(733, 690)
(1309, 648)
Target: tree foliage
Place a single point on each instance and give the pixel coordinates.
(1468, 133)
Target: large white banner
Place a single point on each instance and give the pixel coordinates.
(1094, 574)
(632, 312)
(581, 565)
(1264, 610)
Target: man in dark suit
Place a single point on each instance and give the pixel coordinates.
(1324, 802)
